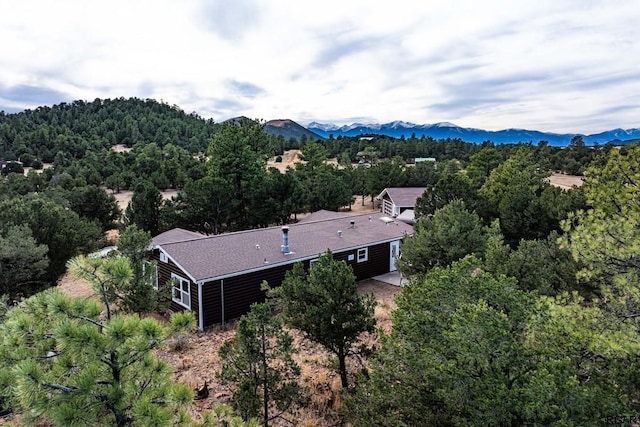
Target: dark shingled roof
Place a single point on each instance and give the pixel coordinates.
(206, 258)
(176, 235)
(323, 214)
(403, 197)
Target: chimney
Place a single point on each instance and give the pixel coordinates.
(285, 240)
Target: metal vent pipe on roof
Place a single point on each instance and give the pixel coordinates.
(285, 240)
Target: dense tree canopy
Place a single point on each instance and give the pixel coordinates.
(450, 234)
(93, 203)
(606, 237)
(61, 230)
(470, 348)
(542, 265)
(513, 190)
(22, 260)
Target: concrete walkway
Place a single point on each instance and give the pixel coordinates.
(392, 278)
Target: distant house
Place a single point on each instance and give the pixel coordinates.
(219, 277)
(396, 200)
(9, 166)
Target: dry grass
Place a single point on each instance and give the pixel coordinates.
(200, 362)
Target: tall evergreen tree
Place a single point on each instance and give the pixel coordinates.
(606, 237)
(238, 156)
(258, 362)
(144, 208)
(326, 306)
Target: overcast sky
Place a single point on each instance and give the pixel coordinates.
(557, 65)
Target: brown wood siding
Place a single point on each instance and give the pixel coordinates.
(377, 263)
(242, 291)
(211, 303)
(164, 275)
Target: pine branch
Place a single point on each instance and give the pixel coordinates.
(88, 319)
(63, 388)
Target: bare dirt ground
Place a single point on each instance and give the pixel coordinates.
(289, 160)
(565, 181)
(120, 148)
(124, 196)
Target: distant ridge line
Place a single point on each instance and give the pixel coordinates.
(443, 130)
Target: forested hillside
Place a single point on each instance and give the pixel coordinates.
(521, 295)
(76, 128)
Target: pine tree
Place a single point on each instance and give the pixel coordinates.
(326, 306)
(258, 361)
(73, 362)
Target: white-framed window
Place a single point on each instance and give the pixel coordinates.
(363, 254)
(312, 263)
(154, 272)
(181, 290)
(163, 257)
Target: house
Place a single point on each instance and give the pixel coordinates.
(219, 277)
(396, 200)
(9, 166)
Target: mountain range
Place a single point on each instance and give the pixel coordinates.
(444, 130)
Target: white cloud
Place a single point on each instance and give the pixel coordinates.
(556, 66)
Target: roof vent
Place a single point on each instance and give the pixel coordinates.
(369, 217)
(285, 240)
(257, 246)
(386, 219)
(340, 233)
(352, 224)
